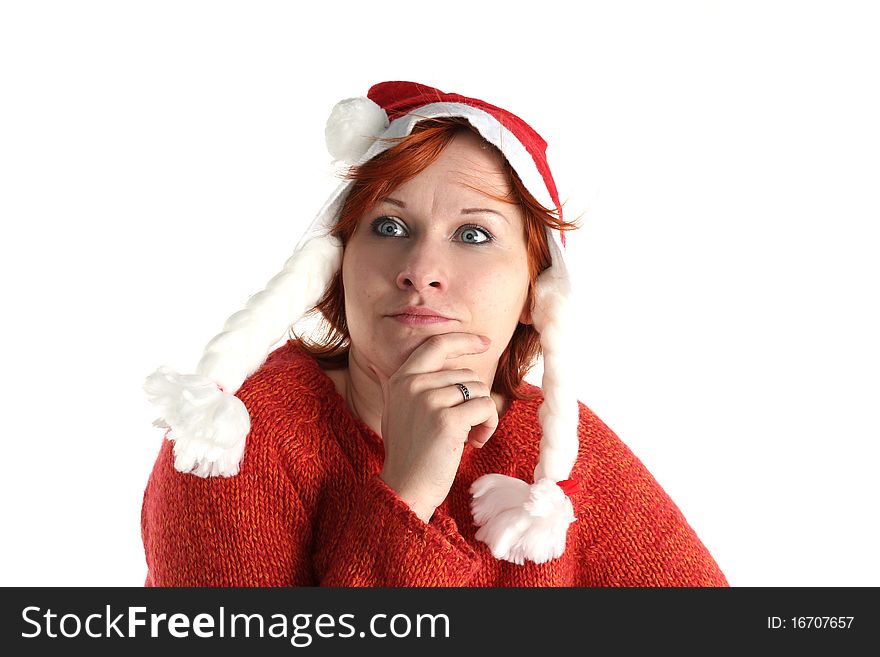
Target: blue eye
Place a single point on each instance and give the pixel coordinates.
(388, 227)
(471, 235)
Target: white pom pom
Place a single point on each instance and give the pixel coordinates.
(521, 522)
(208, 426)
(352, 128)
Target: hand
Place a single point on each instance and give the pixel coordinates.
(426, 422)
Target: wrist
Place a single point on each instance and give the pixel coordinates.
(425, 511)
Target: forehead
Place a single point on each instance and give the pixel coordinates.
(467, 167)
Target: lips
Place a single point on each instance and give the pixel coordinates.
(419, 312)
(418, 316)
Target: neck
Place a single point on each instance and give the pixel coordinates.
(363, 394)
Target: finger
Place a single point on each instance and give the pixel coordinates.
(452, 395)
(480, 434)
(480, 414)
(441, 379)
(434, 352)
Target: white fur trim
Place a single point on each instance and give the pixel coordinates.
(208, 426)
(521, 522)
(353, 125)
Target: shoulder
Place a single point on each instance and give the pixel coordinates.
(607, 462)
(593, 433)
(633, 530)
(597, 438)
(604, 460)
(288, 366)
(597, 443)
(289, 379)
(288, 399)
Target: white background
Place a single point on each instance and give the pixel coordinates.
(159, 161)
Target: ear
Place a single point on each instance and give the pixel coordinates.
(525, 316)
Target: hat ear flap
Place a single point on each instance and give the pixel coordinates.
(248, 335)
(528, 522)
(559, 412)
(206, 421)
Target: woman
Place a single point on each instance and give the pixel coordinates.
(405, 449)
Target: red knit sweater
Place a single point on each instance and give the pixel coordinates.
(308, 508)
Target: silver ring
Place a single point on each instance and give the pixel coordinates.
(464, 391)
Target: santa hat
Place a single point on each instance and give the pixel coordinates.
(208, 424)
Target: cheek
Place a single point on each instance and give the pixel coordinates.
(357, 278)
(497, 295)
(366, 290)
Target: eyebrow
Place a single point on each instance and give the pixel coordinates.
(401, 204)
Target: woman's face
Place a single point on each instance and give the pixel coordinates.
(438, 244)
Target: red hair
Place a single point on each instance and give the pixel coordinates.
(376, 179)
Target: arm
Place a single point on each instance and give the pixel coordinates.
(382, 542)
(299, 513)
(252, 530)
(390, 529)
(246, 530)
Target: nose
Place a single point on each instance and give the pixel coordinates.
(422, 269)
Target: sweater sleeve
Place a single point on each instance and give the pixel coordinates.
(301, 512)
(636, 534)
(380, 541)
(245, 530)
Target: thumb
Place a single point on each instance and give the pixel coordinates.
(480, 434)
